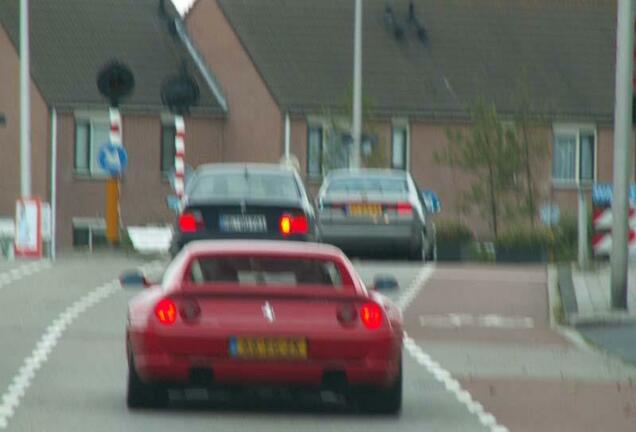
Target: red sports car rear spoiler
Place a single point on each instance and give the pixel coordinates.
(271, 291)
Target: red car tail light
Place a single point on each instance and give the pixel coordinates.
(371, 315)
(404, 208)
(289, 224)
(190, 222)
(347, 314)
(166, 311)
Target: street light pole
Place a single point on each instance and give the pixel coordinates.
(622, 148)
(25, 103)
(357, 87)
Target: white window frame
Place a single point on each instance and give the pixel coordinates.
(575, 129)
(402, 123)
(91, 117)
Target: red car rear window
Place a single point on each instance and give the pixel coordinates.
(260, 270)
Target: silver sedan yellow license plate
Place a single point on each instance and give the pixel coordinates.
(243, 223)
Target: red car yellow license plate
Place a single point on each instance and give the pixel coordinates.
(268, 348)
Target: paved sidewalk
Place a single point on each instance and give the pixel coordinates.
(586, 304)
(593, 298)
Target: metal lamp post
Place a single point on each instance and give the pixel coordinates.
(356, 129)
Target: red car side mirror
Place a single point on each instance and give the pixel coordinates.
(385, 283)
(133, 278)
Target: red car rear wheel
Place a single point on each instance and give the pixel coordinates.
(383, 400)
(143, 395)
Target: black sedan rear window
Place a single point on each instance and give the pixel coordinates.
(368, 184)
(264, 271)
(244, 185)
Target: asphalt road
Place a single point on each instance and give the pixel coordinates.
(472, 360)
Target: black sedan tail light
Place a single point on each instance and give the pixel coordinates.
(293, 224)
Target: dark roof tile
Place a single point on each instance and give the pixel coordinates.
(72, 39)
(564, 48)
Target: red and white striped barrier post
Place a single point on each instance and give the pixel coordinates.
(113, 212)
(179, 156)
(602, 220)
(115, 126)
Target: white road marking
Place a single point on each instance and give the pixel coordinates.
(22, 380)
(441, 374)
(466, 320)
(18, 273)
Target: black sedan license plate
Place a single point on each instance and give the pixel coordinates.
(243, 223)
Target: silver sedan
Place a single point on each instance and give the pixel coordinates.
(375, 211)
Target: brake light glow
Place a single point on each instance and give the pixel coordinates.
(189, 222)
(289, 224)
(285, 224)
(166, 311)
(371, 316)
(404, 208)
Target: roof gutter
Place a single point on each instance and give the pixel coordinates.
(198, 60)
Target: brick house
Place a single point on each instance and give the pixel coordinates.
(70, 41)
(260, 62)
(294, 57)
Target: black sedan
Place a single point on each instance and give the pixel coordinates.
(245, 201)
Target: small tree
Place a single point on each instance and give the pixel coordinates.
(336, 151)
(489, 152)
(533, 151)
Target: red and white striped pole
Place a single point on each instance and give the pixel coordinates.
(113, 212)
(115, 126)
(179, 155)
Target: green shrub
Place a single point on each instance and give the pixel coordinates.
(526, 238)
(566, 238)
(452, 231)
(480, 252)
(566, 235)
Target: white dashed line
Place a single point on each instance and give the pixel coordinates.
(455, 320)
(22, 380)
(18, 273)
(434, 368)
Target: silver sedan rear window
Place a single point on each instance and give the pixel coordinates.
(368, 184)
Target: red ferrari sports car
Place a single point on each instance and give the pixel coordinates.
(263, 313)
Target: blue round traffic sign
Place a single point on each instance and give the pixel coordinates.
(112, 158)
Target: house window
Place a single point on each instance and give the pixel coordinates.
(314, 151)
(168, 133)
(329, 149)
(399, 147)
(368, 144)
(90, 134)
(574, 155)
